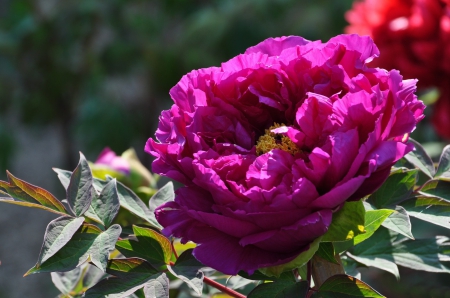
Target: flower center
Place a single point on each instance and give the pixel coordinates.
(270, 141)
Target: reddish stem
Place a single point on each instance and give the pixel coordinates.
(223, 288)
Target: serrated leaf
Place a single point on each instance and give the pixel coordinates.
(326, 252)
(89, 242)
(158, 287)
(419, 158)
(65, 282)
(280, 289)
(25, 194)
(150, 245)
(106, 205)
(399, 222)
(443, 169)
(298, 262)
(187, 268)
(59, 231)
(130, 275)
(436, 188)
(430, 209)
(347, 223)
(344, 286)
(395, 189)
(419, 254)
(80, 190)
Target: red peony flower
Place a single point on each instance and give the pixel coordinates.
(414, 37)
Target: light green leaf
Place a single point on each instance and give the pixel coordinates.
(395, 189)
(436, 188)
(150, 245)
(298, 262)
(106, 205)
(373, 220)
(344, 286)
(399, 222)
(80, 191)
(430, 209)
(347, 223)
(89, 242)
(419, 158)
(443, 169)
(280, 289)
(158, 287)
(59, 231)
(187, 268)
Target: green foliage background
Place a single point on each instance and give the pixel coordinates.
(99, 73)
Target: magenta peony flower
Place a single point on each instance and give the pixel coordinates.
(108, 158)
(269, 144)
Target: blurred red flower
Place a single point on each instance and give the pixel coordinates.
(414, 37)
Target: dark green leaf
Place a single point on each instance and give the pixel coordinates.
(419, 158)
(89, 242)
(258, 275)
(437, 188)
(80, 190)
(395, 189)
(344, 286)
(347, 223)
(59, 231)
(326, 252)
(150, 245)
(430, 209)
(280, 289)
(163, 195)
(106, 205)
(399, 222)
(443, 169)
(158, 287)
(187, 268)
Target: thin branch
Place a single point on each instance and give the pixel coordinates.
(222, 288)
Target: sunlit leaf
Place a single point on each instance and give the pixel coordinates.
(373, 220)
(347, 223)
(443, 169)
(158, 287)
(419, 158)
(399, 222)
(430, 209)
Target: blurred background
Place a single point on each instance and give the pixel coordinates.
(82, 75)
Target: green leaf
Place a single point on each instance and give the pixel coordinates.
(437, 188)
(443, 169)
(89, 242)
(347, 223)
(258, 275)
(419, 254)
(63, 176)
(399, 222)
(187, 268)
(131, 275)
(158, 287)
(326, 252)
(150, 245)
(80, 191)
(430, 209)
(106, 205)
(59, 231)
(379, 263)
(163, 195)
(25, 194)
(280, 289)
(395, 189)
(298, 262)
(65, 282)
(373, 220)
(343, 286)
(350, 266)
(419, 158)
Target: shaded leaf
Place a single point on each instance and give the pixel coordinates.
(399, 222)
(443, 169)
(379, 263)
(436, 188)
(158, 287)
(326, 252)
(430, 209)
(89, 242)
(395, 189)
(63, 176)
(419, 158)
(258, 275)
(65, 282)
(150, 245)
(163, 195)
(106, 205)
(187, 268)
(347, 223)
(59, 231)
(298, 262)
(280, 289)
(80, 190)
(343, 286)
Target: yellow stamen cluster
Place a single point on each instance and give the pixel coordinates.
(270, 141)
